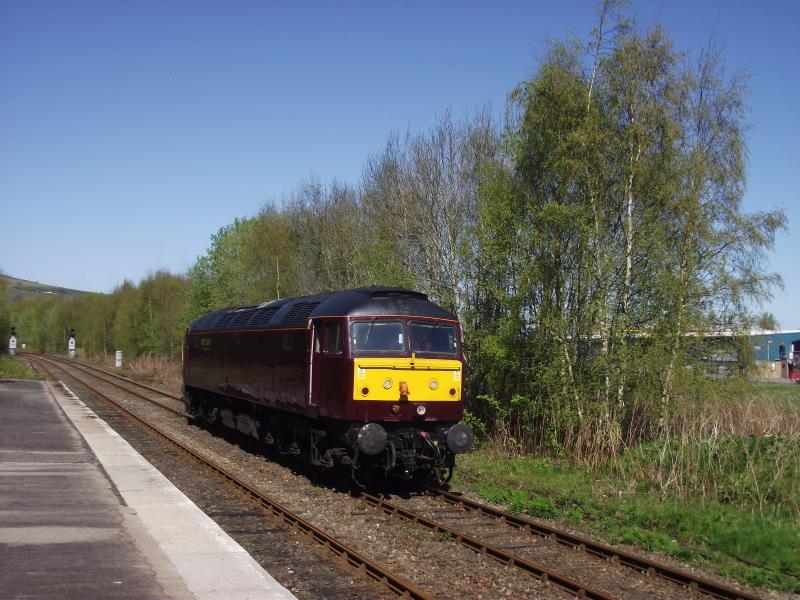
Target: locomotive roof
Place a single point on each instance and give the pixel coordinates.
(295, 312)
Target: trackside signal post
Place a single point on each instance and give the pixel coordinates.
(12, 342)
(71, 344)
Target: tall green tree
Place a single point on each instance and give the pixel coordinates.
(618, 219)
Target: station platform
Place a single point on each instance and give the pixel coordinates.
(84, 516)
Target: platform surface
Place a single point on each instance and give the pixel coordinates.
(83, 515)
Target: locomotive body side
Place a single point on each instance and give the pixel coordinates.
(258, 366)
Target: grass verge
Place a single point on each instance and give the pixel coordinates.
(756, 545)
(783, 391)
(13, 368)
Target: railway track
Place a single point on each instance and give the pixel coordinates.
(355, 559)
(517, 531)
(502, 523)
(603, 552)
(176, 402)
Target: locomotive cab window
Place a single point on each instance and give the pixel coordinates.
(437, 338)
(333, 338)
(317, 338)
(377, 336)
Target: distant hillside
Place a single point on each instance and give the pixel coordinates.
(21, 289)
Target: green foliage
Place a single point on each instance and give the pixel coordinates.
(39, 325)
(143, 319)
(777, 391)
(767, 320)
(249, 261)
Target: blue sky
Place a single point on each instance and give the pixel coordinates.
(131, 131)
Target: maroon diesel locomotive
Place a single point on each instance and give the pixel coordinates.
(366, 379)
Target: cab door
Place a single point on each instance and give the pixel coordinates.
(328, 367)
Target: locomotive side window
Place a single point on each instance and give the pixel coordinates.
(377, 336)
(333, 338)
(288, 341)
(433, 337)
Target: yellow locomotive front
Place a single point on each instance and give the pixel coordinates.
(407, 374)
(411, 361)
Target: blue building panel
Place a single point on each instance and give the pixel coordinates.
(767, 345)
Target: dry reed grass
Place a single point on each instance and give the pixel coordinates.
(744, 452)
(735, 443)
(162, 371)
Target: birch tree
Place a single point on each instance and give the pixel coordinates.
(614, 231)
(423, 192)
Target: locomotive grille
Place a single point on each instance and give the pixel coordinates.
(263, 316)
(240, 318)
(298, 314)
(209, 321)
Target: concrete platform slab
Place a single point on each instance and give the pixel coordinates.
(83, 515)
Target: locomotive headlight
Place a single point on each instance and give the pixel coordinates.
(387, 384)
(433, 384)
(371, 439)
(421, 409)
(459, 438)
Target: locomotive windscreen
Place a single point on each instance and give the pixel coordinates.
(377, 336)
(391, 336)
(433, 337)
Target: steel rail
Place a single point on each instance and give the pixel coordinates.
(540, 572)
(116, 376)
(77, 367)
(604, 551)
(397, 584)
